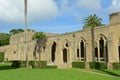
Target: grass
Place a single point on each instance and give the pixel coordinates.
(5, 66)
(110, 72)
(49, 74)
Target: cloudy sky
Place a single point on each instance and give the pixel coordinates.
(55, 16)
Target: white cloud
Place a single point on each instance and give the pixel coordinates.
(89, 4)
(115, 7)
(12, 11)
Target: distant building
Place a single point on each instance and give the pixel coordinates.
(63, 49)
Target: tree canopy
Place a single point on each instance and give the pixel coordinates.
(38, 35)
(4, 39)
(14, 31)
(92, 21)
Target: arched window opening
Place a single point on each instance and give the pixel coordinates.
(106, 53)
(78, 53)
(53, 52)
(66, 44)
(101, 44)
(82, 46)
(96, 54)
(65, 55)
(119, 52)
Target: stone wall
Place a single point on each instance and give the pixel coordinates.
(63, 49)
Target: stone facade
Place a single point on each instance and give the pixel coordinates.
(63, 49)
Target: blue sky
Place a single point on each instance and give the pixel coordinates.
(54, 16)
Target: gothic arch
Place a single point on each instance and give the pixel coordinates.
(65, 51)
(81, 49)
(101, 50)
(81, 38)
(100, 35)
(66, 43)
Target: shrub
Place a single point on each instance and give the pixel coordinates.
(1, 56)
(38, 64)
(32, 63)
(116, 65)
(16, 64)
(42, 64)
(78, 64)
(51, 67)
(92, 65)
(98, 65)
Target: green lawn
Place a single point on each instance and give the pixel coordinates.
(50, 74)
(8, 73)
(110, 72)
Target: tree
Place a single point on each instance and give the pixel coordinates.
(90, 22)
(4, 39)
(15, 31)
(40, 43)
(38, 35)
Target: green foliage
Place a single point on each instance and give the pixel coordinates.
(51, 67)
(92, 21)
(38, 35)
(116, 65)
(92, 65)
(16, 64)
(98, 65)
(78, 64)
(43, 64)
(32, 63)
(4, 39)
(1, 56)
(15, 31)
(38, 64)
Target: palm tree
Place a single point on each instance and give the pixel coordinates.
(25, 17)
(90, 22)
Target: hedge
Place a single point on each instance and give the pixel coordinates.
(51, 67)
(1, 56)
(16, 64)
(116, 65)
(98, 65)
(78, 64)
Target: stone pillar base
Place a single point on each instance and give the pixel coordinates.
(87, 65)
(109, 66)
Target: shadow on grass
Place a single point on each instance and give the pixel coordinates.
(6, 67)
(110, 73)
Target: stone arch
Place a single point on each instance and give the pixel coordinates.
(81, 38)
(102, 48)
(66, 42)
(81, 49)
(101, 35)
(65, 50)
